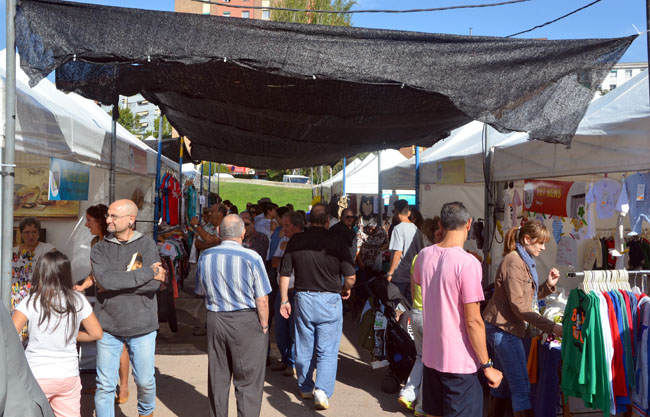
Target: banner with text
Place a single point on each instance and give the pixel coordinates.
(557, 198)
(68, 180)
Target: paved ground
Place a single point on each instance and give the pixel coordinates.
(181, 374)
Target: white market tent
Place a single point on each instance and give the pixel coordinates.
(613, 137)
(325, 188)
(363, 179)
(50, 123)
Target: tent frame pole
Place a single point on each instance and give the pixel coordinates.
(490, 193)
(8, 167)
(201, 194)
(111, 181)
(209, 181)
(380, 197)
(417, 177)
(156, 215)
(181, 216)
(344, 163)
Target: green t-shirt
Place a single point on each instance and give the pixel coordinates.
(584, 364)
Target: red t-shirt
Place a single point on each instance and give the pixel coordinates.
(618, 371)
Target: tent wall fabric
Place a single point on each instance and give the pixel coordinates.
(244, 91)
(363, 180)
(68, 126)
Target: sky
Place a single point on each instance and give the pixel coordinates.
(606, 19)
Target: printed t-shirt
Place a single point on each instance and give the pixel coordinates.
(450, 278)
(635, 200)
(584, 373)
(405, 238)
(605, 194)
(51, 353)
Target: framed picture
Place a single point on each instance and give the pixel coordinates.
(31, 195)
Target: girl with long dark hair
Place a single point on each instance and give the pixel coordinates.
(53, 312)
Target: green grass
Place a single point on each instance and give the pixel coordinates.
(240, 194)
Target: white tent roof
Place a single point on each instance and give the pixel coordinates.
(363, 179)
(52, 123)
(350, 167)
(613, 136)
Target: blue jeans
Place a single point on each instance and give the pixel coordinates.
(142, 350)
(319, 323)
(510, 358)
(285, 333)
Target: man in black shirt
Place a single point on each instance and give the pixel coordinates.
(318, 259)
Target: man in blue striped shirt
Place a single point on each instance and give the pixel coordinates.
(236, 290)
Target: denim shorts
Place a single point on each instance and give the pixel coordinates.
(451, 395)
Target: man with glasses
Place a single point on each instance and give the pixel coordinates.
(254, 239)
(127, 268)
(346, 230)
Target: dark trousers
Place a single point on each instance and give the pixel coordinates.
(236, 350)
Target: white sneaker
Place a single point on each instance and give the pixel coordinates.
(320, 399)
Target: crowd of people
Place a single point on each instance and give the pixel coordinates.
(276, 266)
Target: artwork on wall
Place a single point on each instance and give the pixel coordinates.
(31, 195)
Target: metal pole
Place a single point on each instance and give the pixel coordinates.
(201, 193)
(181, 217)
(380, 194)
(417, 177)
(344, 163)
(219, 179)
(8, 170)
(209, 181)
(311, 176)
(647, 26)
(156, 213)
(111, 182)
(321, 183)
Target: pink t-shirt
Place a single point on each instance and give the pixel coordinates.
(450, 278)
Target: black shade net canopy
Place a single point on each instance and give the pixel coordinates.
(282, 95)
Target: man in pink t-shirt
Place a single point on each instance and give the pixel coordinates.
(453, 345)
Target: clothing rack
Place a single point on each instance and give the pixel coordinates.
(630, 273)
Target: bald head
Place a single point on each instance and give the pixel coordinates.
(121, 218)
(125, 206)
(231, 227)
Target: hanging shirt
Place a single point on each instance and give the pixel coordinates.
(609, 348)
(640, 394)
(605, 194)
(584, 362)
(635, 200)
(618, 370)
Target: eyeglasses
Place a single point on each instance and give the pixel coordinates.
(115, 216)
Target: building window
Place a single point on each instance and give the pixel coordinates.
(142, 113)
(245, 14)
(266, 14)
(226, 1)
(612, 86)
(144, 124)
(628, 73)
(613, 73)
(206, 8)
(142, 102)
(226, 14)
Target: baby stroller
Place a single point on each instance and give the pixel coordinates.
(393, 341)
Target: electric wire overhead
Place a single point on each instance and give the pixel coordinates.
(435, 9)
(554, 20)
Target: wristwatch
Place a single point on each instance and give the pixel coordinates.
(195, 226)
(488, 364)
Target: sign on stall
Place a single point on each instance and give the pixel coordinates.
(557, 198)
(68, 180)
(450, 172)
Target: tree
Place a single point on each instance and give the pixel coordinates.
(215, 167)
(167, 129)
(127, 119)
(331, 19)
